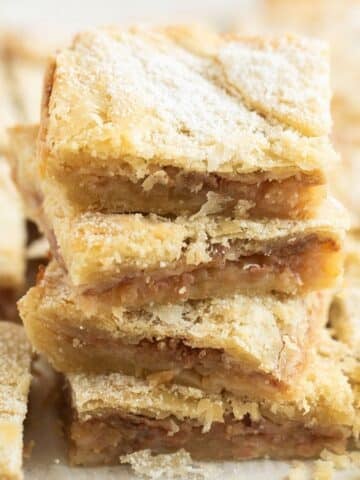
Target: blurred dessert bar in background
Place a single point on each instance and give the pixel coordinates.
(12, 244)
(15, 364)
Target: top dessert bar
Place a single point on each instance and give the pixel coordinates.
(157, 119)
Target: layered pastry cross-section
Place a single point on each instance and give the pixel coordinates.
(161, 119)
(112, 415)
(337, 23)
(248, 345)
(15, 363)
(136, 259)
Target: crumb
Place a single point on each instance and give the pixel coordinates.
(355, 458)
(175, 466)
(215, 203)
(340, 462)
(76, 343)
(323, 470)
(297, 472)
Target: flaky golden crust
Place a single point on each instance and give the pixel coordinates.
(246, 124)
(338, 23)
(323, 408)
(15, 359)
(100, 250)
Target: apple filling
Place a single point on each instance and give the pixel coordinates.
(313, 264)
(171, 360)
(170, 191)
(102, 440)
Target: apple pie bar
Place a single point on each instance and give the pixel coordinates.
(135, 259)
(15, 363)
(26, 59)
(21, 156)
(245, 344)
(164, 120)
(12, 244)
(112, 415)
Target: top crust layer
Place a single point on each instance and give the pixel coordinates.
(128, 101)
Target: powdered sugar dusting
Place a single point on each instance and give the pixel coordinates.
(144, 95)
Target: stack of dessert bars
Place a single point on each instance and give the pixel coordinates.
(180, 177)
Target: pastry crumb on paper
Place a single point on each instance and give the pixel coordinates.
(173, 466)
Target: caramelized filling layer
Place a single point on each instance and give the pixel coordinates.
(173, 192)
(102, 440)
(162, 362)
(167, 360)
(313, 265)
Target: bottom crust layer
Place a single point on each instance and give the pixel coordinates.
(107, 416)
(103, 441)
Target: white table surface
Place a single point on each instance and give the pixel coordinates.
(74, 14)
